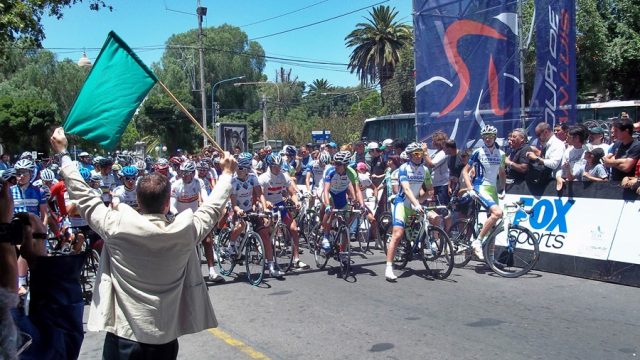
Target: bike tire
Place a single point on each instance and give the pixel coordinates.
(254, 258)
(226, 263)
(282, 247)
(512, 261)
(460, 234)
(385, 228)
(319, 256)
(310, 221)
(436, 251)
(403, 252)
(364, 234)
(342, 237)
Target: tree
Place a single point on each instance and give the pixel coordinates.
(377, 45)
(399, 94)
(22, 19)
(26, 122)
(318, 86)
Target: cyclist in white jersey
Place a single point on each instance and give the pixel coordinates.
(275, 184)
(126, 193)
(315, 170)
(78, 226)
(412, 175)
(186, 194)
(488, 164)
(204, 174)
(245, 187)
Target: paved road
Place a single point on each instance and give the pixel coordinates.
(472, 315)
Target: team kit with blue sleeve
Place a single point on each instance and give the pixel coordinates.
(338, 187)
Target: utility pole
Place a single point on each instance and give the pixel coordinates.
(264, 120)
(202, 11)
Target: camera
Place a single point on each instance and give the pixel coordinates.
(12, 232)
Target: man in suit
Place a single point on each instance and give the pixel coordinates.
(150, 288)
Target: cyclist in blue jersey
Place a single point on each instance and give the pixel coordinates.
(337, 185)
(488, 164)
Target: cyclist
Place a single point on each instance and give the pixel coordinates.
(411, 177)
(162, 166)
(188, 193)
(336, 186)
(141, 166)
(290, 164)
(315, 171)
(244, 188)
(275, 184)
(126, 193)
(204, 175)
(488, 163)
(78, 226)
(105, 169)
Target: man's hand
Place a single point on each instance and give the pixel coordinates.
(228, 164)
(59, 141)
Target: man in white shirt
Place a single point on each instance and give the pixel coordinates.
(547, 149)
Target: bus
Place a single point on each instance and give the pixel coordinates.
(403, 126)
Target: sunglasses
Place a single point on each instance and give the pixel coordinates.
(129, 178)
(23, 173)
(417, 153)
(240, 168)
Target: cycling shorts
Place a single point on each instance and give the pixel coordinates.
(338, 201)
(488, 195)
(284, 214)
(401, 214)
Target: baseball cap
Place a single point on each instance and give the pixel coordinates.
(373, 146)
(596, 130)
(362, 166)
(84, 153)
(332, 144)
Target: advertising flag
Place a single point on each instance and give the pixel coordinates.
(114, 89)
(467, 67)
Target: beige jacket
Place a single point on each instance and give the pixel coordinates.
(149, 286)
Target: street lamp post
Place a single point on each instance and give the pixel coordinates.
(214, 112)
(160, 150)
(265, 137)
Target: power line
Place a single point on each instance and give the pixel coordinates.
(285, 14)
(317, 22)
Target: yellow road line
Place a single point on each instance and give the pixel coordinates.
(248, 350)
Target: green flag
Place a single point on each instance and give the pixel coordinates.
(113, 90)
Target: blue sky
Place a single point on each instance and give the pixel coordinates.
(143, 23)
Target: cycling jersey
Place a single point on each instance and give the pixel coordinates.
(274, 186)
(27, 200)
(187, 196)
(338, 186)
(107, 184)
(126, 196)
(243, 191)
(415, 175)
(74, 220)
(207, 181)
(57, 193)
(317, 171)
(487, 163)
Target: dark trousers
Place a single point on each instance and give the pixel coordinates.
(118, 348)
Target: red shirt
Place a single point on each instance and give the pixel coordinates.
(57, 193)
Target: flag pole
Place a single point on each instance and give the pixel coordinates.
(186, 112)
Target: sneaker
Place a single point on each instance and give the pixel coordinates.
(300, 265)
(477, 249)
(326, 245)
(275, 272)
(388, 273)
(216, 278)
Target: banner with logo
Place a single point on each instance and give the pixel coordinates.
(554, 89)
(467, 67)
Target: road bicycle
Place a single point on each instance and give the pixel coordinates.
(281, 240)
(361, 224)
(306, 217)
(339, 235)
(427, 242)
(250, 250)
(509, 254)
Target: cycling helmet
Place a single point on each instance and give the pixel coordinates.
(387, 142)
(413, 147)
(104, 162)
(203, 165)
(290, 150)
(129, 171)
(25, 164)
(116, 167)
(47, 175)
(175, 160)
(342, 157)
(245, 160)
(141, 165)
(8, 174)
(489, 130)
(54, 167)
(38, 183)
(26, 155)
(324, 157)
(45, 192)
(84, 154)
(274, 160)
(96, 160)
(188, 166)
(404, 156)
(161, 164)
(96, 177)
(85, 173)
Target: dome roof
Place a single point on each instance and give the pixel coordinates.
(84, 61)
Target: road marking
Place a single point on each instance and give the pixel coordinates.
(251, 352)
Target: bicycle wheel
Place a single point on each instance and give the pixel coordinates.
(403, 251)
(226, 262)
(514, 256)
(88, 274)
(254, 257)
(318, 254)
(460, 235)
(310, 221)
(282, 247)
(344, 257)
(385, 227)
(436, 252)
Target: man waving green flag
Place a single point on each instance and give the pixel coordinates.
(116, 85)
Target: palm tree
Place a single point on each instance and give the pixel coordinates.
(377, 45)
(319, 86)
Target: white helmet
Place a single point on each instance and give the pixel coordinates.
(488, 130)
(25, 164)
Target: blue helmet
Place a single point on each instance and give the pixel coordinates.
(129, 171)
(274, 159)
(245, 160)
(85, 173)
(290, 150)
